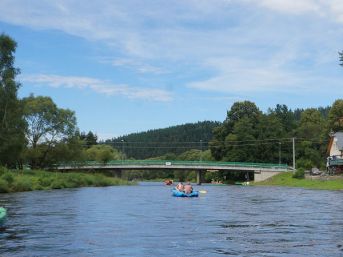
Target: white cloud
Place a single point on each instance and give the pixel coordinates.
(100, 86)
(248, 78)
(134, 64)
(240, 47)
(291, 6)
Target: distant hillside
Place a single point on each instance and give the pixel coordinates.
(171, 140)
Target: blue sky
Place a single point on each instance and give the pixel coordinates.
(129, 66)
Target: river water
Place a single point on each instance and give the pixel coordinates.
(145, 220)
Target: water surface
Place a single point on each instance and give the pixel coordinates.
(145, 220)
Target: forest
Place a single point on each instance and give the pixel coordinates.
(35, 133)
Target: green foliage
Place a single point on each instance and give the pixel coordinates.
(89, 139)
(17, 181)
(8, 177)
(252, 136)
(299, 173)
(4, 188)
(340, 58)
(103, 153)
(336, 116)
(22, 184)
(173, 140)
(48, 125)
(305, 164)
(12, 125)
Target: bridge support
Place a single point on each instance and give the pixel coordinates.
(117, 173)
(199, 177)
(260, 175)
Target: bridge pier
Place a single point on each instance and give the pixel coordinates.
(199, 177)
(117, 173)
(260, 175)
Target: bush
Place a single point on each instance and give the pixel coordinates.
(7, 176)
(306, 164)
(4, 186)
(299, 174)
(21, 185)
(45, 181)
(58, 184)
(2, 170)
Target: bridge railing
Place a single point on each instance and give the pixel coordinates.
(173, 163)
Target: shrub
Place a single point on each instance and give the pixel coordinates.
(21, 185)
(306, 164)
(45, 181)
(4, 186)
(58, 184)
(8, 177)
(299, 173)
(2, 170)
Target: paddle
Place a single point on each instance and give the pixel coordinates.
(202, 191)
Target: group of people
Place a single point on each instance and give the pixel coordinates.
(187, 189)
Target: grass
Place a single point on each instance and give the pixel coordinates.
(18, 181)
(286, 179)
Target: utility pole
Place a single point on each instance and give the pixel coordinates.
(201, 150)
(279, 153)
(293, 139)
(122, 151)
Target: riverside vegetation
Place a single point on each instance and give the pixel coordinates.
(292, 180)
(28, 180)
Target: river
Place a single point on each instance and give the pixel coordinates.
(145, 220)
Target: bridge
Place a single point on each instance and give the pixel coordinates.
(261, 171)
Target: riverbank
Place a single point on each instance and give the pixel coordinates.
(29, 180)
(286, 179)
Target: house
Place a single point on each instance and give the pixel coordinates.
(335, 147)
(334, 162)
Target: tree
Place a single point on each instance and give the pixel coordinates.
(245, 109)
(103, 153)
(311, 132)
(47, 125)
(335, 118)
(240, 125)
(69, 150)
(311, 125)
(270, 132)
(90, 138)
(341, 58)
(285, 116)
(12, 125)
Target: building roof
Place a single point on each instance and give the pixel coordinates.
(339, 136)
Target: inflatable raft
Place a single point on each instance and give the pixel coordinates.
(177, 193)
(3, 213)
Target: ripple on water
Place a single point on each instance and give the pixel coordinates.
(147, 221)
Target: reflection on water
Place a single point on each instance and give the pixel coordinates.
(145, 220)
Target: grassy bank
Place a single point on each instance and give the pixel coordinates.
(286, 179)
(18, 181)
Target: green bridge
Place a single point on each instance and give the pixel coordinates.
(261, 171)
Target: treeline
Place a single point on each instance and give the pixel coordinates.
(169, 141)
(249, 135)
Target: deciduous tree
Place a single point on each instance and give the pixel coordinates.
(12, 125)
(47, 125)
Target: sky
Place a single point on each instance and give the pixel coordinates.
(133, 65)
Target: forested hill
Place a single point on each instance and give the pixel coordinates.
(172, 140)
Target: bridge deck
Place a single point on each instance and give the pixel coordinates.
(171, 164)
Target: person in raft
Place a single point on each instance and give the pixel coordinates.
(180, 187)
(188, 189)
